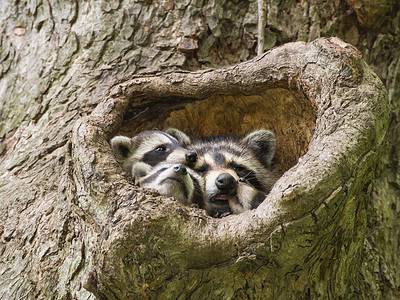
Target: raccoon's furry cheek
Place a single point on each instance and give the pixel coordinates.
(246, 194)
(171, 190)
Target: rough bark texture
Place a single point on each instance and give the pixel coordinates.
(66, 222)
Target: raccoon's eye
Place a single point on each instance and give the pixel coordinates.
(240, 171)
(161, 149)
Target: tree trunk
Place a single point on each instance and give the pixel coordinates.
(73, 74)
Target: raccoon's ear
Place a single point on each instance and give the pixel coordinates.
(122, 147)
(182, 138)
(263, 144)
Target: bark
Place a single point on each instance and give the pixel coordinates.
(72, 74)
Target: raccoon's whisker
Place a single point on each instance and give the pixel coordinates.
(251, 176)
(250, 179)
(247, 175)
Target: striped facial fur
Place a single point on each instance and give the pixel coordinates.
(174, 180)
(152, 147)
(236, 174)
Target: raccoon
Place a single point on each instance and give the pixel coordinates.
(170, 179)
(151, 147)
(236, 173)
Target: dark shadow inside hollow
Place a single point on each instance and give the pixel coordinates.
(288, 114)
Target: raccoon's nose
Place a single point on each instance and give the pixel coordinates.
(191, 157)
(226, 183)
(180, 169)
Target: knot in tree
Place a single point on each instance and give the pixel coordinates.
(329, 112)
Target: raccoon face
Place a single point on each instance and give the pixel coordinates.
(235, 173)
(230, 185)
(153, 147)
(174, 180)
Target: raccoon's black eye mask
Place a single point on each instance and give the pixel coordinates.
(202, 169)
(240, 170)
(245, 174)
(158, 154)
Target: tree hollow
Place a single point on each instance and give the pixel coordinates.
(287, 113)
(329, 111)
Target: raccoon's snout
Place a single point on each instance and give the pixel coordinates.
(180, 169)
(226, 183)
(191, 157)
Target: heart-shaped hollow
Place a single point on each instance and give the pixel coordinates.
(287, 113)
(153, 247)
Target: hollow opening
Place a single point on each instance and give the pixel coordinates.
(287, 113)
